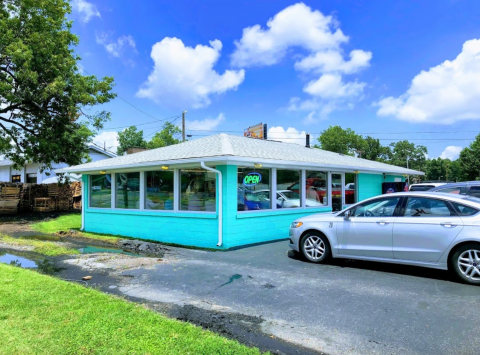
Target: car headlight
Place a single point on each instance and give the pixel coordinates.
(296, 224)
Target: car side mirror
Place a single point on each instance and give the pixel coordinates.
(346, 216)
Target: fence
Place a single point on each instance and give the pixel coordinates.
(20, 197)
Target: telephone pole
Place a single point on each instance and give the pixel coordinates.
(183, 125)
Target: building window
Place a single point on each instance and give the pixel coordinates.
(198, 190)
(32, 178)
(253, 189)
(101, 191)
(16, 178)
(128, 191)
(350, 188)
(288, 189)
(316, 188)
(159, 190)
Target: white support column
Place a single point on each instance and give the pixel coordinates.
(303, 188)
(85, 203)
(176, 190)
(343, 190)
(142, 190)
(329, 189)
(273, 189)
(113, 190)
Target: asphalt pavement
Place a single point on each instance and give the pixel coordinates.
(345, 307)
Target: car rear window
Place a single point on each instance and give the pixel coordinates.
(459, 190)
(475, 191)
(463, 210)
(421, 187)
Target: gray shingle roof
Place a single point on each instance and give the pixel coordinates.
(224, 145)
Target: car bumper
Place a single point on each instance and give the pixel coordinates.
(294, 235)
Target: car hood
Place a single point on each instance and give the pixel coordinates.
(325, 216)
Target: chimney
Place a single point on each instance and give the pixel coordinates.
(307, 144)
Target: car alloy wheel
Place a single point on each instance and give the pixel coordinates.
(469, 264)
(315, 247)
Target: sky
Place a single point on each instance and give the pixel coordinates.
(390, 69)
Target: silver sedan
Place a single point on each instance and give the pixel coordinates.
(429, 229)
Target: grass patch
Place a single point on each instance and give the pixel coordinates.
(72, 221)
(39, 246)
(43, 315)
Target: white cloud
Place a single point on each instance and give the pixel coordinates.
(205, 124)
(107, 139)
(184, 76)
(121, 48)
(290, 135)
(298, 26)
(331, 86)
(447, 93)
(451, 152)
(294, 26)
(85, 9)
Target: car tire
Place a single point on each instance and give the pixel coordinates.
(465, 263)
(315, 247)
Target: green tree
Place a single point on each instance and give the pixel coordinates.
(169, 135)
(470, 161)
(43, 95)
(416, 153)
(373, 150)
(130, 138)
(339, 140)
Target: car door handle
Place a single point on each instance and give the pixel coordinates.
(382, 223)
(448, 225)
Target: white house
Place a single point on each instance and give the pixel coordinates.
(30, 173)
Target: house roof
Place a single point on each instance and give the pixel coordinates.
(224, 147)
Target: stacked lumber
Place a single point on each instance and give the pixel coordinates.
(9, 199)
(25, 198)
(76, 188)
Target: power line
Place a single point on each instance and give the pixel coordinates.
(143, 124)
(420, 132)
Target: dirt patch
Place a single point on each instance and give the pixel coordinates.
(115, 263)
(7, 246)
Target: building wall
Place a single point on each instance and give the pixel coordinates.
(5, 173)
(201, 229)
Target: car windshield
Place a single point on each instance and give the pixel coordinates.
(290, 195)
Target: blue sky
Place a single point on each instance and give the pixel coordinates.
(384, 68)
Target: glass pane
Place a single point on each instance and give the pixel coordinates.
(198, 190)
(452, 190)
(159, 190)
(475, 191)
(350, 190)
(101, 191)
(426, 207)
(253, 189)
(463, 210)
(288, 194)
(336, 192)
(128, 191)
(316, 188)
(384, 207)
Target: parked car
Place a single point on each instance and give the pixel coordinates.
(319, 186)
(429, 229)
(425, 186)
(471, 188)
(285, 198)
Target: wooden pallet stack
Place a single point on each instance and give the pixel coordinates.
(76, 189)
(9, 199)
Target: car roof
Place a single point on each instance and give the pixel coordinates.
(429, 183)
(458, 184)
(446, 196)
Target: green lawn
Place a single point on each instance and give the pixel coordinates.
(43, 315)
(39, 246)
(72, 221)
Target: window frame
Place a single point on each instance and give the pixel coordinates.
(301, 185)
(328, 194)
(272, 179)
(114, 201)
(396, 210)
(143, 190)
(463, 205)
(90, 176)
(177, 188)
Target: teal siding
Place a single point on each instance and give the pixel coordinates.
(370, 185)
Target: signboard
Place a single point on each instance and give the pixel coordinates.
(258, 131)
(252, 179)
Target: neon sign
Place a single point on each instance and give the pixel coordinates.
(252, 179)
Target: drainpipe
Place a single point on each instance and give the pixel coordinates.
(84, 203)
(220, 201)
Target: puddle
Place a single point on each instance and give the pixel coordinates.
(17, 261)
(89, 249)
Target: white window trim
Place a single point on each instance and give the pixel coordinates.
(179, 194)
(90, 194)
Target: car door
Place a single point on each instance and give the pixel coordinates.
(425, 229)
(368, 231)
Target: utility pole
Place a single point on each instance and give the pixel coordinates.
(183, 125)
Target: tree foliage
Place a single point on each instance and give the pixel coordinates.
(443, 169)
(373, 150)
(339, 140)
(417, 155)
(169, 135)
(43, 95)
(470, 161)
(130, 138)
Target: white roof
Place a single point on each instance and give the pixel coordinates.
(225, 147)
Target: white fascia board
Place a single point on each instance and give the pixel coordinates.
(233, 160)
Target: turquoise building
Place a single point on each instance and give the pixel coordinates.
(223, 191)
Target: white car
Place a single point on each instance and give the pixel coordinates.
(287, 198)
(429, 229)
(425, 186)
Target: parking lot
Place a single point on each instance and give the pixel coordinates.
(344, 307)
